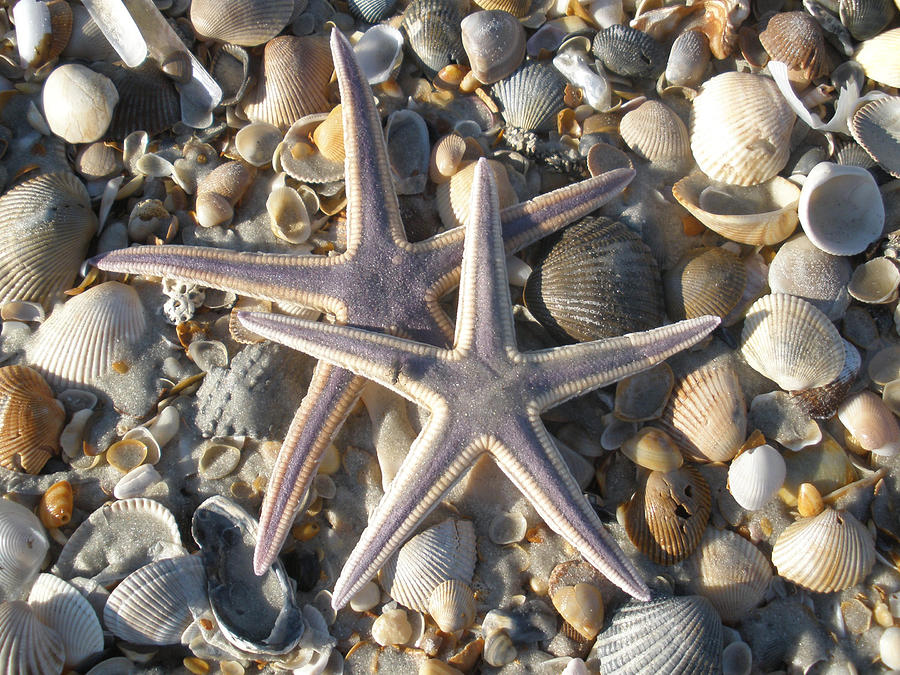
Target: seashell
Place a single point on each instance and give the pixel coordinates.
(311, 162)
(155, 604)
(762, 214)
(629, 52)
(755, 475)
(145, 438)
(802, 269)
(655, 133)
(643, 396)
(126, 454)
(664, 635)
(148, 100)
(23, 546)
(208, 354)
(507, 528)
(256, 142)
(52, 212)
(822, 402)
(653, 449)
(82, 340)
(442, 552)
(825, 465)
(104, 546)
(371, 11)
(795, 39)
(379, 51)
(409, 149)
(871, 424)
(611, 272)
(494, 42)
(791, 342)
(366, 598)
(531, 97)
(433, 29)
(452, 605)
(688, 59)
(61, 607)
(230, 68)
(875, 281)
(581, 606)
(55, 507)
(809, 501)
(740, 128)
(218, 460)
(293, 81)
(31, 420)
(850, 153)
(499, 649)
(42, 30)
(876, 128)
(78, 103)
(878, 57)
(136, 482)
(453, 197)
(86, 41)
(518, 8)
(865, 18)
(241, 22)
(118, 665)
(666, 516)
(708, 280)
(781, 417)
(28, 646)
(706, 414)
(446, 157)
(97, 161)
(392, 628)
(826, 553)
(219, 191)
(730, 572)
(289, 216)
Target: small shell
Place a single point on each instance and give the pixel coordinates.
(392, 627)
(878, 57)
(809, 501)
(289, 218)
(446, 157)
(433, 29)
(507, 528)
(27, 644)
(707, 280)
(755, 476)
(257, 141)
(454, 196)
(791, 342)
(219, 191)
(822, 402)
(629, 52)
(873, 426)
(875, 281)
(55, 508)
(126, 455)
(31, 420)
(653, 449)
(795, 39)
(78, 103)
(495, 44)
(876, 128)
(518, 8)
(865, 18)
(531, 97)
(241, 22)
(218, 460)
(371, 11)
(655, 133)
(825, 465)
(97, 161)
(23, 545)
(148, 100)
(452, 605)
(643, 396)
(781, 417)
(409, 148)
(60, 606)
(802, 269)
(581, 606)
(826, 553)
(379, 51)
(688, 59)
(136, 482)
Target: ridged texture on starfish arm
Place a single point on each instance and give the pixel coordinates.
(484, 396)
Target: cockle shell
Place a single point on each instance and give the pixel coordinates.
(802, 269)
(795, 39)
(23, 545)
(532, 96)
(452, 605)
(688, 59)
(876, 127)
(708, 280)
(31, 420)
(26, 644)
(148, 100)
(60, 606)
(873, 426)
(518, 8)
(78, 103)
(494, 42)
(371, 11)
(825, 553)
(629, 52)
(98, 160)
(878, 57)
(865, 18)
(433, 29)
(755, 476)
(241, 22)
(655, 133)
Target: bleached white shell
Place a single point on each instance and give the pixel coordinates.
(872, 424)
(755, 476)
(136, 482)
(63, 608)
(26, 644)
(23, 545)
(80, 341)
(79, 103)
(452, 605)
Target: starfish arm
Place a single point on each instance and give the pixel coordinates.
(564, 372)
(332, 393)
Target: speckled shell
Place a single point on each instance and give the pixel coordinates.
(708, 280)
(825, 553)
(155, 604)
(371, 11)
(794, 38)
(148, 100)
(755, 476)
(293, 81)
(433, 29)
(31, 420)
(865, 18)
(23, 545)
(241, 22)
(63, 608)
(876, 127)
(596, 279)
(629, 52)
(532, 96)
(81, 340)
(688, 59)
(740, 128)
(666, 516)
(791, 342)
(870, 422)
(27, 646)
(665, 635)
(707, 414)
(822, 402)
(46, 224)
(878, 57)
(653, 131)
(453, 197)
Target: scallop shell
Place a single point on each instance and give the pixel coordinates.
(532, 96)
(148, 100)
(791, 342)
(596, 279)
(755, 476)
(371, 11)
(443, 552)
(629, 52)
(293, 81)
(31, 420)
(873, 426)
(878, 57)
(61, 606)
(825, 553)
(802, 269)
(707, 415)
(518, 8)
(876, 127)
(761, 214)
(46, 224)
(155, 604)
(82, 340)
(688, 59)
(740, 129)
(453, 197)
(666, 516)
(23, 545)
(865, 18)
(654, 132)
(822, 402)
(452, 605)
(241, 22)
(707, 280)
(26, 644)
(495, 44)
(433, 29)
(794, 38)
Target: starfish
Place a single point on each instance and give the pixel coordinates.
(381, 281)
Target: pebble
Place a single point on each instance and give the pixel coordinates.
(392, 628)
(79, 103)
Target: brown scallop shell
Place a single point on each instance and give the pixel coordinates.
(31, 420)
(795, 39)
(241, 22)
(654, 132)
(518, 8)
(708, 280)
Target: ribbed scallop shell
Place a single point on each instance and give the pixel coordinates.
(873, 426)
(666, 516)
(629, 52)
(433, 29)
(148, 100)
(155, 604)
(371, 11)
(31, 420)
(46, 224)
(653, 131)
(454, 196)
(865, 18)
(794, 38)
(730, 572)
(293, 81)
(755, 476)
(81, 340)
(665, 635)
(707, 414)
(241, 22)
(708, 280)
(452, 605)
(791, 342)
(23, 545)
(596, 279)
(63, 608)
(440, 553)
(878, 57)
(740, 128)
(823, 402)
(27, 647)
(518, 8)
(532, 96)
(825, 553)
(876, 127)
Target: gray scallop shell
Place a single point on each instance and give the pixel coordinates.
(531, 96)
(148, 100)
(23, 545)
(665, 635)
(688, 59)
(371, 11)
(629, 52)
(876, 127)
(63, 608)
(433, 29)
(865, 18)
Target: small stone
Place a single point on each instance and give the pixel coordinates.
(79, 103)
(367, 597)
(392, 628)
(582, 606)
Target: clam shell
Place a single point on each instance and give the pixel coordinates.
(825, 553)
(865, 18)
(443, 552)
(755, 476)
(155, 604)
(873, 426)
(148, 100)
(707, 280)
(31, 420)
(629, 52)
(791, 342)
(379, 51)
(63, 608)
(795, 38)
(23, 545)
(241, 22)
(453, 197)
(78, 103)
(98, 160)
(495, 44)
(802, 269)
(740, 129)
(876, 127)
(26, 644)
(822, 402)
(307, 161)
(655, 133)
(707, 415)
(653, 449)
(433, 29)
(875, 281)
(878, 57)
(256, 143)
(532, 96)
(596, 279)
(666, 516)
(82, 340)
(409, 149)
(46, 224)
(688, 59)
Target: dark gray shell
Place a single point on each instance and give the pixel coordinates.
(371, 11)
(688, 59)
(866, 18)
(629, 52)
(596, 279)
(148, 100)
(434, 33)
(532, 96)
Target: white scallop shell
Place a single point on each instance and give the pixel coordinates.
(63, 608)
(27, 646)
(81, 340)
(23, 545)
(452, 605)
(755, 476)
(878, 57)
(655, 133)
(873, 426)
(876, 127)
